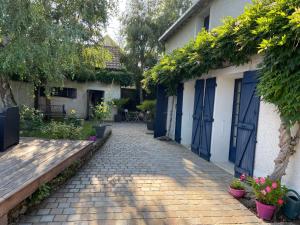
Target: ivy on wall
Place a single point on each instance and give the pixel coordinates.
(270, 28)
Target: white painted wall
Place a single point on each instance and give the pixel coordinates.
(187, 113)
(221, 9)
(267, 147)
(185, 34)
(172, 101)
(222, 119)
(23, 93)
(80, 103)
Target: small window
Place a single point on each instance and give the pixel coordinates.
(61, 92)
(206, 23)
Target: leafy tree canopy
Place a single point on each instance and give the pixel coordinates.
(270, 28)
(42, 39)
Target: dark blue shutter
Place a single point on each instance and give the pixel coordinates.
(247, 126)
(179, 113)
(208, 119)
(161, 112)
(197, 116)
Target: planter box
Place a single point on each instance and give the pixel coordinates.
(150, 125)
(118, 118)
(9, 128)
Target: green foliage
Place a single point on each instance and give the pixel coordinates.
(122, 77)
(142, 25)
(42, 39)
(87, 130)
(148, 106)
(102, 111)
(237, 184)
(40, 194)
(60, 130)
(30, 118)
(120, 102)
(267, 191)
(270, 28)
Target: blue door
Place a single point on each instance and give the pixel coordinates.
(235, 119)
(197, 116)
(161, 112)
(179, 113)
(203, 117)
(207, 119)
(247, 125)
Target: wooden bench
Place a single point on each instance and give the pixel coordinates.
(27, 166)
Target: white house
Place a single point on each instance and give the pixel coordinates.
(78, 96)
(219, 116)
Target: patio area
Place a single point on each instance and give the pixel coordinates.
(135, 179)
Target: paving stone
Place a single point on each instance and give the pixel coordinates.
(135, 179)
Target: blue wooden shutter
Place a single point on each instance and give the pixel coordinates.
(161, 112)
(197, 116)
(208, 119)
(179, 113)
(247, 126)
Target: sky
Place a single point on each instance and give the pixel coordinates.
(113, 28)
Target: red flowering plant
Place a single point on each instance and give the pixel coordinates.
(267, 191)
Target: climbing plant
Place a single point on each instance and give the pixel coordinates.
(270, 28)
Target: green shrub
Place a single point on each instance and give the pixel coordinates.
(119, 103)
(60, 130)
(30, 118)
(148, 106)
(237, 184)
(102, 111)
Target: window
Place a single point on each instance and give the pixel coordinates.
(206, 23)
(61, 92)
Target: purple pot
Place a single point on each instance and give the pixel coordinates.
(92, 138)
(237, 193)
(264, 211)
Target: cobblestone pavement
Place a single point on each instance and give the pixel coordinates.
(135, 179)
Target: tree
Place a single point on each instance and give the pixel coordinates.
(143, 24)
(42, 39)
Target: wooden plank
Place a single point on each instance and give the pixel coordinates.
(38, 167)
(46, 174)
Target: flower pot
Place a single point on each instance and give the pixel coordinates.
(264, 211)
(100, 131)
(291, 208)
(237, 193)
(150, 125)
(118, 118)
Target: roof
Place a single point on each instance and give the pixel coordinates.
(183, 19)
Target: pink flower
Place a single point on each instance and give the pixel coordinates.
(274, 185)
(280, 201)
(243, 177)
(257, 180)
(262, 180)
(263, 192)
(268, 189)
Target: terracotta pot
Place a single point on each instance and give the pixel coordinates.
(264, 211)
(237, 193)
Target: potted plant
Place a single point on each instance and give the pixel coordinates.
(119, 104)
(237, 189)
(148, 106)
(269, 195)
(101, 112)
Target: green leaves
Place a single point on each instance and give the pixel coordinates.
(271, 27)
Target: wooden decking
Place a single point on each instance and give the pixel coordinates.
(33, 162)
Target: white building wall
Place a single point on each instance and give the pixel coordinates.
(222, 119)
(172, 101)
(186, 33)
(111, 91)
(187, 113)
(267, 147)
(23, 93)
(221, 9)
